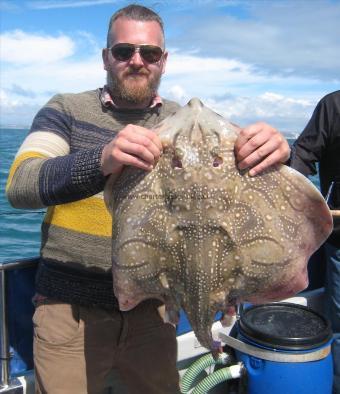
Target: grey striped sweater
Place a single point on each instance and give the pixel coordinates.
(58, 167)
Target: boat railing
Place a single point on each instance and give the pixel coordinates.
(16, 329)
(17, 287)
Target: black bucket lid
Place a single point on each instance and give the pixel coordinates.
(285, 326)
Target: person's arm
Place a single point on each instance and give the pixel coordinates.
(44, 171)
(309, 147)
(260, 146)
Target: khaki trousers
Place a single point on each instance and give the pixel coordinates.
(78, 349)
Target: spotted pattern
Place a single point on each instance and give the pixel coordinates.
(200, 235)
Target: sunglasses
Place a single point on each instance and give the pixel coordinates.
(124, 52)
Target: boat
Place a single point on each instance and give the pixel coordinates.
(16, 328)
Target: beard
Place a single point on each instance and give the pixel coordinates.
(134, 87)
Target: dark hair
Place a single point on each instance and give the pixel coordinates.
(135, 12)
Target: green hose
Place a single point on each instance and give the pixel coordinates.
(212, 380)
(197, 367)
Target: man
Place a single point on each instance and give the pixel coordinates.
(75, 143)
(320, 143)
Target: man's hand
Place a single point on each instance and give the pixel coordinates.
(132, 146)
(260, 146)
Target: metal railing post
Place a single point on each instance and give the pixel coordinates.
(4, 346)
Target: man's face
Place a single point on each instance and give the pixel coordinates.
(134, 81)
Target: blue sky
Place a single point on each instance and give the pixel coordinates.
(248, 60)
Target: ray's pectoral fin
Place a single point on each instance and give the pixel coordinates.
(108, 195)
(307, 202)
(139, 273)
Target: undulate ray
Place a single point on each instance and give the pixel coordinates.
(199, 234)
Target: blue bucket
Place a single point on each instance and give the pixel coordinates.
(286, 329)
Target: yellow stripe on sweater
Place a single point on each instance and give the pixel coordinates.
(88, 216)
(20, 159)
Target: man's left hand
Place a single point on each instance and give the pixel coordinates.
(260, 146)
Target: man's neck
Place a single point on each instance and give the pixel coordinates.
(108, 99)
(123, 104)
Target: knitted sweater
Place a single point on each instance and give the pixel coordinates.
(58, 166)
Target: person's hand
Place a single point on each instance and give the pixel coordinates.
(260, 146)
(132, 146)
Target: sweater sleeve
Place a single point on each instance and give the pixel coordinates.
(310, 146)
(45, 171)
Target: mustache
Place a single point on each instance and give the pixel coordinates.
(136, 72)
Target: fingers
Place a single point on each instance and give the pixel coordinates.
(260, 146)
(143, 136)
(135, 146)
(146, 154)
(266, 163)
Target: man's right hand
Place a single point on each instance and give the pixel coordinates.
(132, 146)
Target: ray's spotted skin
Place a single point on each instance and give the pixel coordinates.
(197, 233)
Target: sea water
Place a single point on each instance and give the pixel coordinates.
(20, 229)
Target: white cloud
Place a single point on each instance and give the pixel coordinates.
(234, 88)
(6, 5)
(23, 48)
(36, 66)
(177, 93)
(71, 75)
(216, 77)
(12, 105)
(292, 38)
(8, 103)
(287, 114)
(53, 4)
(195, 63)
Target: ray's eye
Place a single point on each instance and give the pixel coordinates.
(176, 162)
(217, 161)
